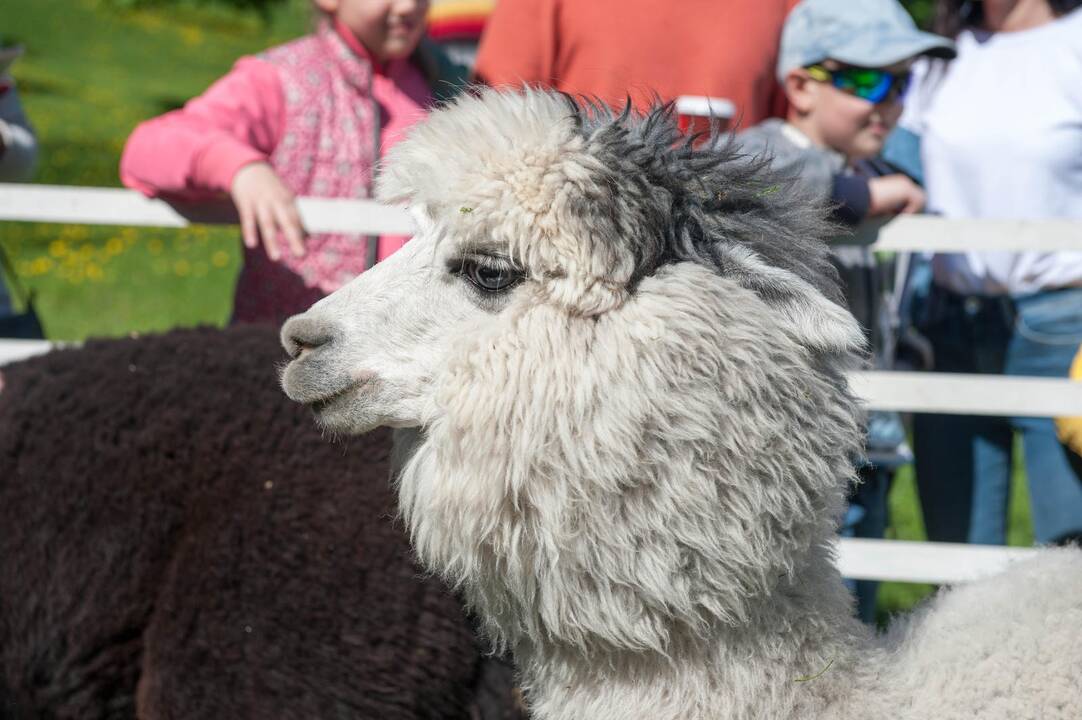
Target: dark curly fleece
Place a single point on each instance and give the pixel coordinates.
(178, 541)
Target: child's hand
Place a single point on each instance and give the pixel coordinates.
(267, 210)
(892, 194)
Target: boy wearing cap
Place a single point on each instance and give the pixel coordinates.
(844, 65)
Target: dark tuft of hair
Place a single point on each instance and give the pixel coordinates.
(678, 198)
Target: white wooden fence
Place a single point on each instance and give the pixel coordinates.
(910, 392)
(113, 206)
(13, 350)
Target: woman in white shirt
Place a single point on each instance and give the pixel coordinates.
(1001, 137)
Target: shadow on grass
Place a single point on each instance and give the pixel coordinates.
(164, 104)
(28, 84)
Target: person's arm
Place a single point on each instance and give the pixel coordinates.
(196, 151)
(856, 198)
(221, 142)
(519, 44)
(851, 197)
(18, 145)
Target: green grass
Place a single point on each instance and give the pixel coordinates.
(906, 523)
(90, 74)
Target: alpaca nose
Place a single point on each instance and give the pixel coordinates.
(302, 334)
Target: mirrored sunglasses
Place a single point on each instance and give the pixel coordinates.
(870, 84)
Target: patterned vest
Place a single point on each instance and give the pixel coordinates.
(328, 148)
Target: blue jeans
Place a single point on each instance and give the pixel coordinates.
(866, 517)
(24, 325)
(963, 462)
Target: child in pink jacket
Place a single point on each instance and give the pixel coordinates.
(310, 117)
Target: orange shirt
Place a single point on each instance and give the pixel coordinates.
(614, 48)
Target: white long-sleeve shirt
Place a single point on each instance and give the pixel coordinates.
(1001, 133)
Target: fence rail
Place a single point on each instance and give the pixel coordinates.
(113, 206)
(923, 562)
(15, 350)
(965, 394)
(928, 233)
(913, 392)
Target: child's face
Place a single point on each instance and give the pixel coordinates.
(844, 122)
(389, 29)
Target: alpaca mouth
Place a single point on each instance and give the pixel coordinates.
(352, 410)
(347, 394)
(330, 402)
(322, 404)
(304, 381)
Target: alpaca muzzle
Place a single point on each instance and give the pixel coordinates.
(302, 334)
(310, 377)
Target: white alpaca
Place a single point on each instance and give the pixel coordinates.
(618, 366)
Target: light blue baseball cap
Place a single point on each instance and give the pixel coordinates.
(865, 33)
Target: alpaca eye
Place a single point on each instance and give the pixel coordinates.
(491, 275)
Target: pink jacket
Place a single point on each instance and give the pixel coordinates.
(322, 112)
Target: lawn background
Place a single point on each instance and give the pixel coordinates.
(92, 71)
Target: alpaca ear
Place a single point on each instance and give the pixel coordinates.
(814, 320)
(820, 324)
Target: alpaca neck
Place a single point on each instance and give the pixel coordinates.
(802, 634)
(701, 619)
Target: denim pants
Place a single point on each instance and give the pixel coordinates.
(866, 517)
(963, 463)
(24, 325)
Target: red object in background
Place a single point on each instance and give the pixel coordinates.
(703, 115)
(457, 29)
(458, 20)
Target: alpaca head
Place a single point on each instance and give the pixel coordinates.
(624, 360)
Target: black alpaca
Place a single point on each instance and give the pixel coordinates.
(177, 540)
